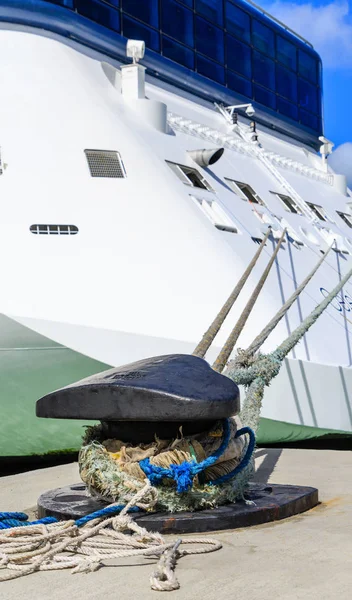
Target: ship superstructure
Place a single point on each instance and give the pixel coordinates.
(118, 244)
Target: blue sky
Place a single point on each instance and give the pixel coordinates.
(327, 24)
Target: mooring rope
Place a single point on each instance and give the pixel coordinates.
(184, 474)
(264, 334)
(229, 345)
(212, 331)
(41, 547)
(257, 372)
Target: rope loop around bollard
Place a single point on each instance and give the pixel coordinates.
(184, 473)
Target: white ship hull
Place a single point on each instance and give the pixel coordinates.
(148, 271)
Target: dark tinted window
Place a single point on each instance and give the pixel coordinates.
(238, 56)
(178, 53)
(307, 66)
(137, 31)
(238, 22)
(100, 13)
(177, 21)
(287, 108)
(308, 119)
(263, 70)
(211, 9)
(239, 84)
(286, 83)
(286, 53)
(193, 32)
(67, 3)
(210, 69)
(209, 40)
(264, 96)
(307, 95)
(263, 38)
(147, 11)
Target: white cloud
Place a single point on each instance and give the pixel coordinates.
(328, 27)
(341, 161)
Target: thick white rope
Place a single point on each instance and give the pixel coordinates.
(25, 550)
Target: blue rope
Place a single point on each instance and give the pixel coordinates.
(16, 519)
(104, 512)
(184, 473)
(9, 520)
(246, 459)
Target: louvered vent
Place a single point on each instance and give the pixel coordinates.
(105, 163)
(54, 229)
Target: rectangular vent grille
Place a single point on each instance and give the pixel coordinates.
(105, 163)
(53, 229)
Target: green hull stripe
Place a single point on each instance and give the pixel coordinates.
(31, 366)
(26, 375)
(276, 432)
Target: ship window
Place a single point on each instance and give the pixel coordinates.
(67, 3)
(308, 120)
(105, 163)
(286, 108)
(238, 22)
(216, 214)
(210, 69)
(54, 229)
(190, 176)
(346, 218)
(263, 38)
(239, 84)
(180, 54)
(286, 53)
(307, 96)
(307, 66)
(211, 9)
(238, 56)
(264, 70)
(100, 13)
(289, 204)
(209, 40)
(134, 30)
(177, 22)
(264, 96)
(286, 83)
(244, 191)
(318, 210)
(146, 11)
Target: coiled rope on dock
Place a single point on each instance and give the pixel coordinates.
(83, 549)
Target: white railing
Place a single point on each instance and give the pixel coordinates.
(231, 141)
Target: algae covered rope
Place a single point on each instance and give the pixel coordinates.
(264, 334)
(211, 333)
(189, 481)
(257, 372)
(229, 345)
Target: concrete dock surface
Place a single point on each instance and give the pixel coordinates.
(308, 556)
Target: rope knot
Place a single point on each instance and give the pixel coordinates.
(183, 476)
